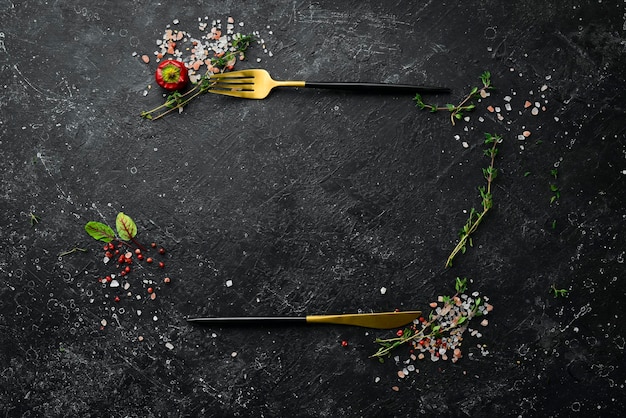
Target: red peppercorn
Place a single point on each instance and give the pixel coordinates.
(108, 278)
(122, 273)
(167, 280)
(153, 245)
(127, 269)
(150, 290)
(111, 246)
(108, 254)
(161, 250)
(120, 260)
(128, 260)
(400, 333)
(161, 264)
(117, 298)
(344, 343)
(149, 260)
(139, 257)
(106, 247)
(137, 251)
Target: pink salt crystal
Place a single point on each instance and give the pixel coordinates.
(145, 58)
(484, 322)
(433, 305)
(400, 374)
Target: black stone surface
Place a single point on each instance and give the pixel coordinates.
(310, 202)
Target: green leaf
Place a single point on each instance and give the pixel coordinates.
(450, 107)
(460, 285)
(461, 320)
(100, 231)
(458, 115)
(474, 91)
(126, 227)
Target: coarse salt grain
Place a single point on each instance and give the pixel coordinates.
(229, 283)
(169, 346)
(383, 290)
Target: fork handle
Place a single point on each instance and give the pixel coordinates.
(376, 87)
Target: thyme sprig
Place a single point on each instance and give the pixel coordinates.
(476, 217)
(465, 105)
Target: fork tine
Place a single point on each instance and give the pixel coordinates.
(234, 81)
(234, 74)
(234, 93)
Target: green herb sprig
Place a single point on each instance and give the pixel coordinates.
(465, 105)
(558, 292)
(476, 217)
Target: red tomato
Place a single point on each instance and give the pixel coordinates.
(172, 75)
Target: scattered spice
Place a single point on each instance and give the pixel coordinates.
(441, 334)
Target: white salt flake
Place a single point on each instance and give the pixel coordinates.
(233, 354)
(114, 283)
(383, 290)
(169, 346)
(229, 283)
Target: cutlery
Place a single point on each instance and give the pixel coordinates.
(379, 320)
(257, 84)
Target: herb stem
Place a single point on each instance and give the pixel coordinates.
(487, 201)
(73, 250)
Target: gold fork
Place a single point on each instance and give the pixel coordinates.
(257, 84)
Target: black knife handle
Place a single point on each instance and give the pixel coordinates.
(249, 320)
(376, 87)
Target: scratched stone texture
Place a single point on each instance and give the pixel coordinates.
(311, 202)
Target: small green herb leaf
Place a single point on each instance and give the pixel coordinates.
(126, 227)
(100, 231)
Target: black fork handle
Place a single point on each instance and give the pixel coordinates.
(376, 87)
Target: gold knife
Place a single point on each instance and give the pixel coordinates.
(378, 320)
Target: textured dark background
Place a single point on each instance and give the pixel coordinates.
(310, 202)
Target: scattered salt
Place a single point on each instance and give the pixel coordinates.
(383, 290)
(169, 346)
(229, 283)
